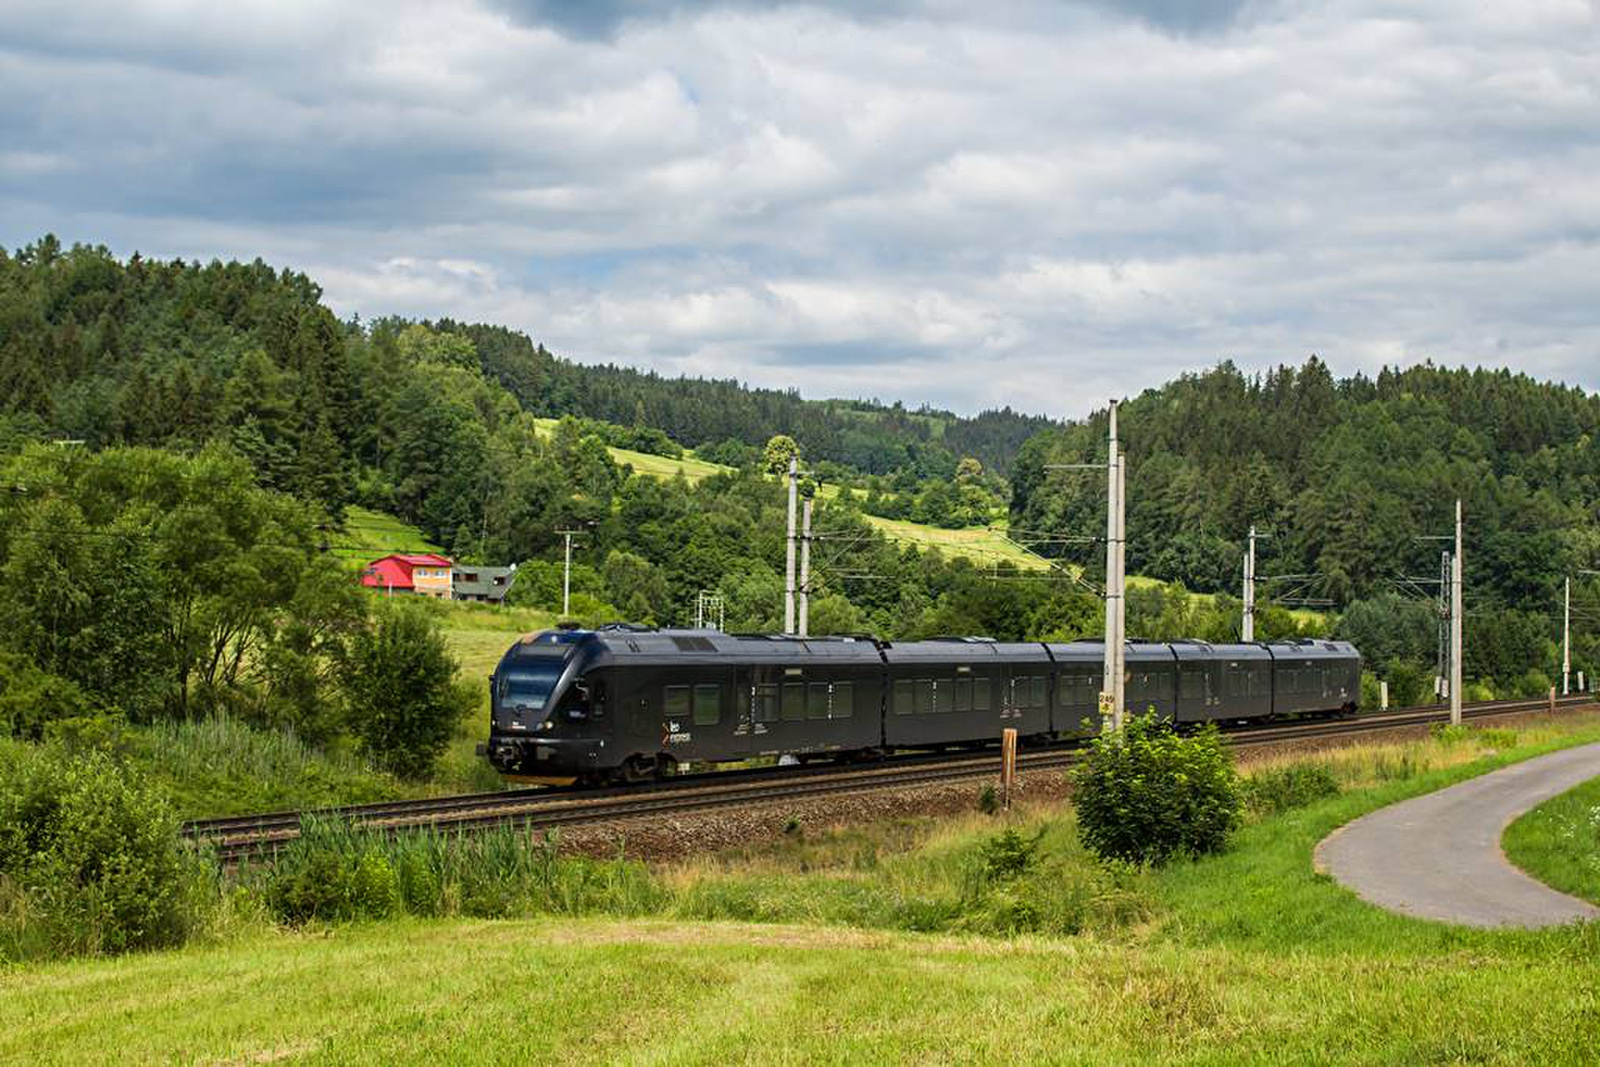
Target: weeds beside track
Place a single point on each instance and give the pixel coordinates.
(240, 838)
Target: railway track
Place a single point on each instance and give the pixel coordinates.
(241, 838)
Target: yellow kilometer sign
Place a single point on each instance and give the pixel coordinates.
(1108, 703)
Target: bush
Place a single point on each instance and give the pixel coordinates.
(31, 699)
(404, 701)
(91, 858)
(1149, 794)
(1279, 789)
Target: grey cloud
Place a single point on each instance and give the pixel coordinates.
(1037, 205)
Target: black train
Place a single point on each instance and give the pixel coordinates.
(623, 703)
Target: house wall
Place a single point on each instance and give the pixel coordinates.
(431, 581)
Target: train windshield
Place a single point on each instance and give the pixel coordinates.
(529, 684)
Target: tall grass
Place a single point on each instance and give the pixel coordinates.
(337, 871)
(1031, 877)
(222, 766)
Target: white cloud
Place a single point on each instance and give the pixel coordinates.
(1031, 203)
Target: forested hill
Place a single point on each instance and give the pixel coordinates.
(867, 436)
(1348, 476)
(148, 352)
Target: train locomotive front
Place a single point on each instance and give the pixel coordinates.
(544, 721)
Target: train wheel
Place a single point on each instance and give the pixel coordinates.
(638, 769)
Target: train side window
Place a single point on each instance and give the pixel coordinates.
(924, 695)
(1192, 685)
(963, 694)
(1041, 691)
(676, 702)
(981, 689)
(707, 705)
(766, 703)
(904, 699)
(817, 700)
(844, 700)
(794, 701)
(941, 695)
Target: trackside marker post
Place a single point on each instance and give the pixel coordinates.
(1008, 764)
(1383, 696)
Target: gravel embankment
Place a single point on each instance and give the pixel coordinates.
(658, 838)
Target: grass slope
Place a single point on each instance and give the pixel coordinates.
(369, 534)
(1251, 956)
(1558, 842)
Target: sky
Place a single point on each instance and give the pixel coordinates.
(1024, 203)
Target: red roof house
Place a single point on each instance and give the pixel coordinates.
(422, 572)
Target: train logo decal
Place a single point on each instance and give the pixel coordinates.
(676, 735)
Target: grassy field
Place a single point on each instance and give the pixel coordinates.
(1243, 957)
(370, 534)
(1559, 842)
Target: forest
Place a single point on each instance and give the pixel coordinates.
(241, 366)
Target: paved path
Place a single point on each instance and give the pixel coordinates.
(1438, 856)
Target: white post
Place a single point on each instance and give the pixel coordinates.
(1455, 625)
(1566, 640)
(788, 565)
(1247, 632)
(1110, 683)
(1581, 689)
(805, 570)
(1383, 696)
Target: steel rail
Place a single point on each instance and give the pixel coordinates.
(239, 838)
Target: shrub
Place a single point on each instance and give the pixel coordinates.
(404, 701)
(1148, 794)
(92, 860)
(1007, 855)
(31, 699)
(1279, 789)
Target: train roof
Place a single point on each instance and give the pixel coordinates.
(964, 650)
(713, 646)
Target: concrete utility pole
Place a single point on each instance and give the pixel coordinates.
(1116, 620)
(805, 570)
(1122, 588)
(1566, 639)
(788, 565)
(566, 573)
(1247, 630)
(1455, 625)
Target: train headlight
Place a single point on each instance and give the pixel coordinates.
(547, 725)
